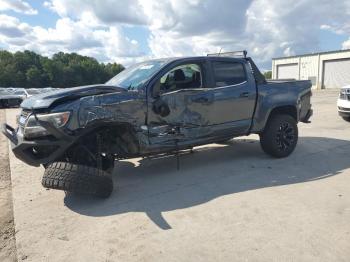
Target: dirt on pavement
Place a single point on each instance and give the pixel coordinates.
(7, 230)
(228, 202)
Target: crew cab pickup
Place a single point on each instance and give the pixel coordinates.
(155, 107)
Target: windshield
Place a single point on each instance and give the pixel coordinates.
(135, 76)
(33, 92)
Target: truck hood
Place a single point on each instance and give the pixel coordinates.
(45, 100)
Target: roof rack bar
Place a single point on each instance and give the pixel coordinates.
(231, 54)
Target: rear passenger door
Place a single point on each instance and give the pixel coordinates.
(234, 95)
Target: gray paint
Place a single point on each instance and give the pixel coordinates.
(192, 116)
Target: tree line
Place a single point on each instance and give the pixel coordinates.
(30, 70)
(268, 74)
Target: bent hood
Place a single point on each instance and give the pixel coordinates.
(45, 100)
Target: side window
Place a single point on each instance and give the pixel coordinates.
(181, 77)
(228, 73)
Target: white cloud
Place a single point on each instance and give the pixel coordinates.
(340, 24)
(346, 44)
(12, 29)
(266, 28)
(107, 11)
(195, 27)
(104, 43)
(18, 6)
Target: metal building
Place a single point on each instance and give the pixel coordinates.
(325, 70)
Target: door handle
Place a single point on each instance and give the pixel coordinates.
(200, 100)
(203, 99)
(244, 94)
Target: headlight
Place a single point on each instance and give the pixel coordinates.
(33, 129)
(57, 119)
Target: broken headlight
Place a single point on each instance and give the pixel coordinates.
(32, 127)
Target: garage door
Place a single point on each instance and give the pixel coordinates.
(288, 71)
(336, 73)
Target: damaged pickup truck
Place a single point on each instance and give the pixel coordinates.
(155, 107)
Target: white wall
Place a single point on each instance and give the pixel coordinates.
(309, 65)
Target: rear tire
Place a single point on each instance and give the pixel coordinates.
(280, 136)
(79, 179)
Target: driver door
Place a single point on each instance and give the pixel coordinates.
(179, 105)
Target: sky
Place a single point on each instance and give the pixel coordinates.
(130, 31)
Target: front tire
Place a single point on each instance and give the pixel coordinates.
(280, 136)
(79, 179)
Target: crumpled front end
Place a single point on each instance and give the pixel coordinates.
(41, 149)
(50, 139)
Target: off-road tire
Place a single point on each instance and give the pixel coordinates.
(280, 136)
(78, 179)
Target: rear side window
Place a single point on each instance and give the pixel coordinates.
(228, 73)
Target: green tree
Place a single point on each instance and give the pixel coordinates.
(28, 69)
(268, 74)
(33, 75)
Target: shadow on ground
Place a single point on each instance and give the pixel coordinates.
(156, 186)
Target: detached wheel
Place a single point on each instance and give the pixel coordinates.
(78, 179)
(280, 136)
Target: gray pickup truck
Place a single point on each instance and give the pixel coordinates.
(155, 107)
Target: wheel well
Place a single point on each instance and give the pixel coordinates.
(285, 110)
(117, 139)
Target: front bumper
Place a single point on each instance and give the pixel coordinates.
(34, 153)
(344, 114)
(343, 107)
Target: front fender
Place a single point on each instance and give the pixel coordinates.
(107, 108)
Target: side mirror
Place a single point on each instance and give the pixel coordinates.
(161, 108)
(156, 90)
